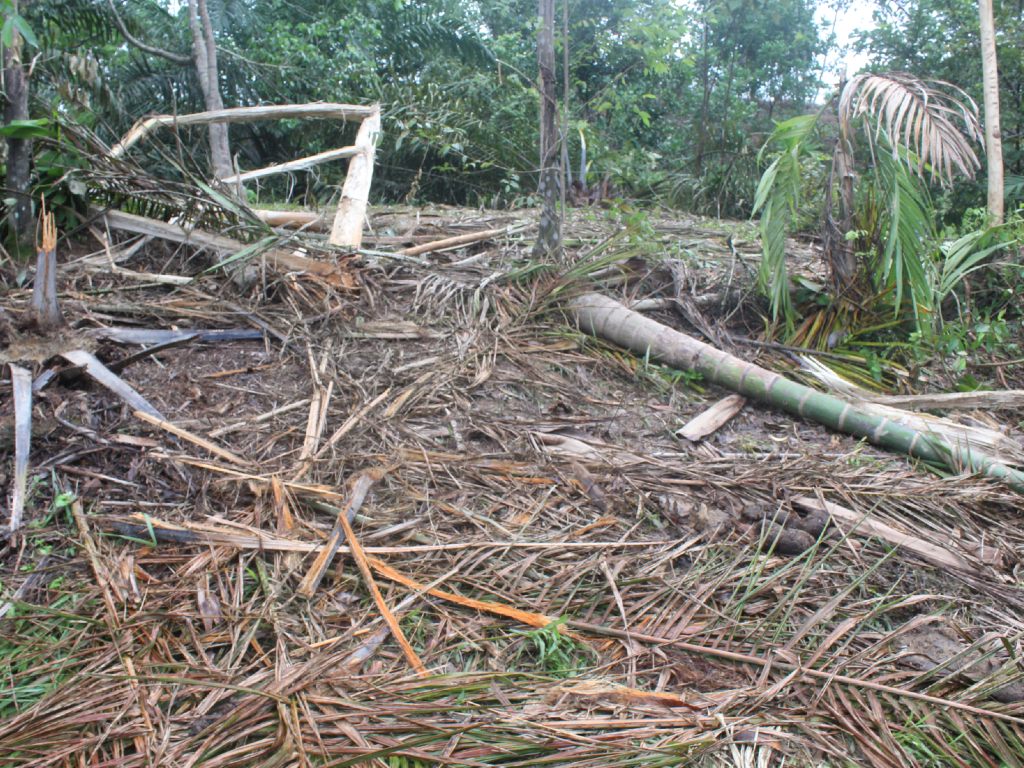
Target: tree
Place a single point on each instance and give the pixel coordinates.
(912, 127)
(549, 235)
(993, 135)
(15, 36)
(203, 59)
(940, 39)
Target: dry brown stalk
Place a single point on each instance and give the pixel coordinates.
(358, 488)
(526, 617)
(360, 557)
(195, 439)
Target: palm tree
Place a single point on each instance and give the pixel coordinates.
(913, 129)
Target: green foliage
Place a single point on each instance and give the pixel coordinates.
(940, 39)
(777, 199)
(549, 651)
(889, 218)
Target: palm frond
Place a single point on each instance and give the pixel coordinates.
(910, 232)
(935, 120)
(777, 199)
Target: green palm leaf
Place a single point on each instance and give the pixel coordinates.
(777, 199)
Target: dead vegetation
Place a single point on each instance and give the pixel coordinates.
(413, 517)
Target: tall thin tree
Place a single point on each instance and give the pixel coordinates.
(19, 148)
(993, 135)
(204, 59)
(549, 235)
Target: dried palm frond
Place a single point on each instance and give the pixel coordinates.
(933, 119)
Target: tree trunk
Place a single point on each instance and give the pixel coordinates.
(19, 151)
(993, 135)
(204, 52)
(549, 236)
(608, 319)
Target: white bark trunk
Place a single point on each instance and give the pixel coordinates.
(204, 51)
(993, 135)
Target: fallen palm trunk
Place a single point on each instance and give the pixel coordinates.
(608, 319)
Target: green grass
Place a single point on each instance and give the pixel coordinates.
(37, 651)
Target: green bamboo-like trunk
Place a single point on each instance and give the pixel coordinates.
(608, 319)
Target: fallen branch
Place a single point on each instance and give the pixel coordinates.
(457, 240)
(608, 319)
(147, 125)
(225, 246)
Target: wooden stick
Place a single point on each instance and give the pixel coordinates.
(359, 487)
(147, 125)
(451, 242)
(293, 165)
(347, 230)
(184, 434)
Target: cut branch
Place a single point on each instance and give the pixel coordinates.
(294, 165)
(325, 110)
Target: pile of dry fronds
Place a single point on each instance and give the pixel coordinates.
(528, 567)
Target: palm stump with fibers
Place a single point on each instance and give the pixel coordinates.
(45, 349)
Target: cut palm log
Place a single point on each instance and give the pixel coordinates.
(609, 319)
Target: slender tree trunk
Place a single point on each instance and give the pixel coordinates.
(705, 102)
(204, 52)
(993, 135)
(19, 151)
(549, 236)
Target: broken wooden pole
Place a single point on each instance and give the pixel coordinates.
(355, 194)
(329, 111)
(609, 319)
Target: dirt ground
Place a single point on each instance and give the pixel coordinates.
(168, 605)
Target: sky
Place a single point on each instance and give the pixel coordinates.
(857, 16)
